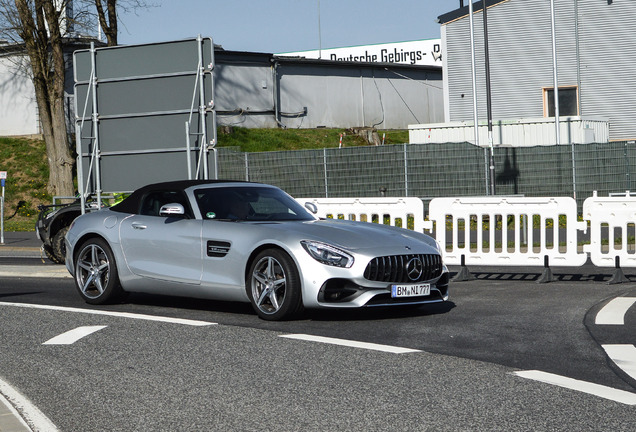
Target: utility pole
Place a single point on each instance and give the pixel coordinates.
(556, 75)
(474, 75)
(489, 102)
(319, 34)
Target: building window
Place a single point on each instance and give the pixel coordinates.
(568, 101)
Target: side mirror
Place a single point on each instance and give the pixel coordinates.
(172, 209)
(311, 207)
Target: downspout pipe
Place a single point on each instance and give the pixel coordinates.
(276, 93)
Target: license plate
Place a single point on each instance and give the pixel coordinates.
(410, 290)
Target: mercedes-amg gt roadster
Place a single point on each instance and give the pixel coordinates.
(251, 242)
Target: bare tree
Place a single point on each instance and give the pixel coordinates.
(43, 27)
(108, 20)
(37, 25)
(87, 14)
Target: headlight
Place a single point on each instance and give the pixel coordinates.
(328, 255)
(438, 246)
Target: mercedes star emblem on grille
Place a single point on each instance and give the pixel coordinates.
(414, 269)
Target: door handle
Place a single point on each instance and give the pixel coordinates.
(139, 226)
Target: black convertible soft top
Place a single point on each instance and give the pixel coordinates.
(131, 204)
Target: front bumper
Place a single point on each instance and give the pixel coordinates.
(331, 287)
(344, 293)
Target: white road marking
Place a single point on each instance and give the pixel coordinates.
(112, 313)
(72, 336)
(614, 312)
(350, 343)
(624, 356)
(23, 410)
(602, 391)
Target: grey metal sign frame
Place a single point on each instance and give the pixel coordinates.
(144, 113)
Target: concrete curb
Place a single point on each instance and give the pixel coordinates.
(15, 252)
(10, 419)
(48, 271)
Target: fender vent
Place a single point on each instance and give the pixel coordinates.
(218, 249)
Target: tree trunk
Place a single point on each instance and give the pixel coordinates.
(60, 158)
(37, 24)
(109, 26)
(43, 42)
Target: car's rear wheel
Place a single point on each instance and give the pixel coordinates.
(274, 286)
(58, 247)
(96, 277)
(50, 255)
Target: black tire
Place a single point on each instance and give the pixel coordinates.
(96, 277)
(50, 255)
(58, 247)
(274, 287)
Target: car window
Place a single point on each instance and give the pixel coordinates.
(249, 203)
(269, 205)
(152, 202)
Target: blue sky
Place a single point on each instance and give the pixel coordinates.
(286, 25)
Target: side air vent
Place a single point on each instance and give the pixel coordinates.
(218, 249)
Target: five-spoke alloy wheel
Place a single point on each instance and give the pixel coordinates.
(274, 286)
(96, 277)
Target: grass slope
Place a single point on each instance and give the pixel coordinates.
(27, 169)
(260, 140)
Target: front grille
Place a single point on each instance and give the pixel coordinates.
(404, 268)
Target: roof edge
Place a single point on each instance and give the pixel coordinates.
(463, 11)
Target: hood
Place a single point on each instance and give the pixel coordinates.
(353, 236)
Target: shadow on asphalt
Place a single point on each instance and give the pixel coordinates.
(377, 313)
(534, 277)
(21, 293)
(237, 308)
(188, 303)
(583, 274)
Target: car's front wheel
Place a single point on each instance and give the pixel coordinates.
(96, 277)
(274, 286)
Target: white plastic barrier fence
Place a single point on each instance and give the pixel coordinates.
(502, 231)
(400, 212)
(612, 218)
(499, 231)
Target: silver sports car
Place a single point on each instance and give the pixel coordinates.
(248, 242)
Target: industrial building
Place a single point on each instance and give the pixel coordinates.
(262, 90)
(595, 47)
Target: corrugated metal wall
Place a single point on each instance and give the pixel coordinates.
(608, 58)
(305, 94)
(18, 112)
(521, 64)
(520, 52)
(342, 97)
(244, 95)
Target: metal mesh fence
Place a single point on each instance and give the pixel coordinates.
(439, 170)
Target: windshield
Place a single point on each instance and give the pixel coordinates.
(251, 203)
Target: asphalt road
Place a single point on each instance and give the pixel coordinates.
(241, 374)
